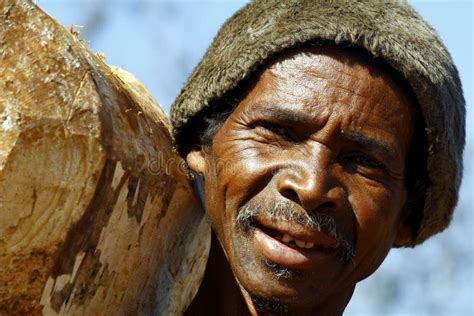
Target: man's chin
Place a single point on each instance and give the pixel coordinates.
(277, 287)
(282, 299)
(270, 305)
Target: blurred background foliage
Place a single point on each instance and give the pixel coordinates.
(161, 42)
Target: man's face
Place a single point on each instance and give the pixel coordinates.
(304, 184)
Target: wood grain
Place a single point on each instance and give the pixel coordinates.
(97, 214)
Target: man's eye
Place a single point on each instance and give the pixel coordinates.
(279, 130)
(364, 161)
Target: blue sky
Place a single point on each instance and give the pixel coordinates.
(161, 41)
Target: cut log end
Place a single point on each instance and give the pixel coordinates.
(97, 214)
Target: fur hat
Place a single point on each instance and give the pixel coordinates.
(391, 30)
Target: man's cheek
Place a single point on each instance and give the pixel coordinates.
(375, 212)
(241, 178)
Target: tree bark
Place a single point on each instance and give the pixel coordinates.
(97, 214)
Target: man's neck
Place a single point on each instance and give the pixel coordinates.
(219, 293)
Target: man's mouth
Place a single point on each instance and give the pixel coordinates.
(292, 245)
(293, 242)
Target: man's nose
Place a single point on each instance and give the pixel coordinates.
(312, 182)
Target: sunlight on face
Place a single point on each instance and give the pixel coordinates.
(305, 180)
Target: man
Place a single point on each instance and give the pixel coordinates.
(324, 134)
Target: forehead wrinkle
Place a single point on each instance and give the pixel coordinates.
(315, 109)
(369, 117)
(317, 82)
(374, 111)
(383, 109)
(347, 92)
(322, 66)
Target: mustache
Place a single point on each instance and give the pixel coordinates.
(286, 211)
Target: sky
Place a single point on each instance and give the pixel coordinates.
(160, 42)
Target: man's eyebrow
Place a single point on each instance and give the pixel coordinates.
(281, 114)
(372, 144)
(289, 116)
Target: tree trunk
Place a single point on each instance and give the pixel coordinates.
(97, 214)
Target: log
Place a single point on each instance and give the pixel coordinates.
(97, 213)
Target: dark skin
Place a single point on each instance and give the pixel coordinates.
(305, 185)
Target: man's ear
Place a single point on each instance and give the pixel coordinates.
(196, 160)
(403, 235)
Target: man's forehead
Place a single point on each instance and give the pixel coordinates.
(342, 74)
(322, 61)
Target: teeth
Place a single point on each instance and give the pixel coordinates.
(300, 243)
(287, 238)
